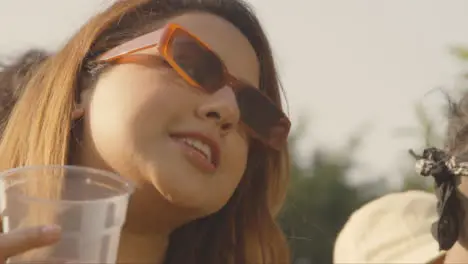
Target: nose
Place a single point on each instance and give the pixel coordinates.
(221, 108)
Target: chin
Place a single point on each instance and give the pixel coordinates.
(186, 189)
(195, 203)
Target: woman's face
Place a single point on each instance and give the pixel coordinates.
(143, 121)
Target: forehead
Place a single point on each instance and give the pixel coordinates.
(224, 39)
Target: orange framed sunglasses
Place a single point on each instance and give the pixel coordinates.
(202, 68)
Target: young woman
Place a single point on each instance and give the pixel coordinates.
(182, 97)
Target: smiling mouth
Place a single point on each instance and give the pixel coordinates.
(199, 146)
(200, 150)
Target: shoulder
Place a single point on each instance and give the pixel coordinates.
(439, 259)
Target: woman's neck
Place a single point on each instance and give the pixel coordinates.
(142, 248)
(459, 252)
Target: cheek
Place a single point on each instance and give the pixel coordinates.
(122, 114)
(236, 162)
(231, 173)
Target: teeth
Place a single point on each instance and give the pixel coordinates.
(202, 147)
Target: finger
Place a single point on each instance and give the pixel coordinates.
(21, 240)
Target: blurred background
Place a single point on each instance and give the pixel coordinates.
(365, 81)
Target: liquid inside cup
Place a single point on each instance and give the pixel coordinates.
(88, 204)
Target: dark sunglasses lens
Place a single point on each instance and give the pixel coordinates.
(262, 116)
(201, 64)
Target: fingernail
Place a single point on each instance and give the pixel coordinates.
(51, 231)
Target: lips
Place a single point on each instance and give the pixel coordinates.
(201, 150)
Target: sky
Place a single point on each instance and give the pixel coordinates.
(346, 66)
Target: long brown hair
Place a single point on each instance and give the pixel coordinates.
(39, 128)
(13, 76)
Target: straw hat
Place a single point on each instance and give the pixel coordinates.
(395, 228)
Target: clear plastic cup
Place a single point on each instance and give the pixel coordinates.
(90, 206)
